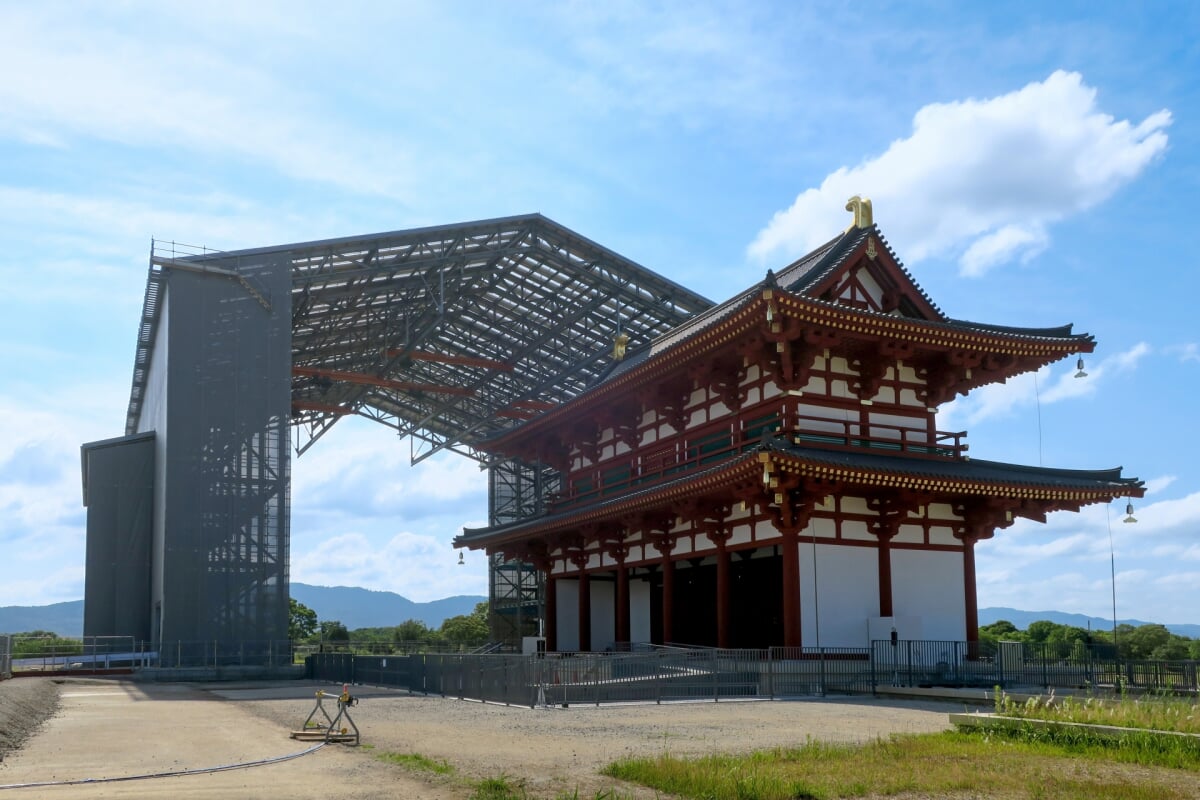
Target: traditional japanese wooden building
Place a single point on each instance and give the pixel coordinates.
(770, 472)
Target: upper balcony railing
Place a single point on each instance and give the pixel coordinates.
(708, 445)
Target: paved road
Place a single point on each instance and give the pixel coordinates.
(108, 728)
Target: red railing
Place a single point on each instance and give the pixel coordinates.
(706, 446)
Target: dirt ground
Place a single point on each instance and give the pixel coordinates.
(105, 728)
(24, 705)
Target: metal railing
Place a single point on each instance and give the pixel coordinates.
(215, 654)
(5, 657)
(1042, 665)
(660, 674)
(705, 446)
(656, 673)
(85, 654)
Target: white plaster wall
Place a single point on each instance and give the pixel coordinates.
(741, 534)
(929, 585)
(603, 614)
(857, 530)
(908, 397)
(944, 536)
(870, 285)
(910, 534)
(639, 611)
(941, 511)
(568, 614)
(847, 580)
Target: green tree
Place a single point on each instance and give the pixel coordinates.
(334, 632)
(302, 620)
(44, 643)
(412, 630)
(467, 628)
(1041, 631)
(1000, 631)
(1142, 642)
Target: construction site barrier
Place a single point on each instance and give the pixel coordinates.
(658, 674)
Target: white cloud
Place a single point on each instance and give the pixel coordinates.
(996, 248)
(1187, 581)
(421, 568)
(1186, 352)
(42, 517)
(1048, 385)
(1067, 563)
(1156, 485)
(981, 179)
(68, 81)
(362, 468)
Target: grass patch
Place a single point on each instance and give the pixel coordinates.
(1150, 713)
(948, 763)
(415, 762)
(504, 788)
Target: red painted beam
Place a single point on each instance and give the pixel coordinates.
(385, 383)
(323, 408)
(443, 358)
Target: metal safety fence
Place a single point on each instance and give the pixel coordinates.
(97, 654)
(665, 674)
(215, 654)
(1023, 665)
(5, 657)
(658, 675)
(36, 654)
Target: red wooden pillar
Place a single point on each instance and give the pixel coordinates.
(885, 574)
(789, 551)
(585, 611)
(622, 626)
(664, 544)
(668, 598)
(972, 600)
(723, 591)
(551, 621)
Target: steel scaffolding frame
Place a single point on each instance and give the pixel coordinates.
(516, 591)
(447, 335)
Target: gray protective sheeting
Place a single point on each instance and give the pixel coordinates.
(118, 490)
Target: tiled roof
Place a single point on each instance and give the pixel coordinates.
(972, 470)
(984, 475)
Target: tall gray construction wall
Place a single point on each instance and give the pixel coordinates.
(118, 490)
(216, 397)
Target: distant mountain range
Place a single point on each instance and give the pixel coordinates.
(363, 608)
(350, 605)
(1022, 619)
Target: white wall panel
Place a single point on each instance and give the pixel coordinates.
(929, 584)
(639, 611)
(604, 617)
(568, 614)
(847, 581)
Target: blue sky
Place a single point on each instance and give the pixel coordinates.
(1032, 164)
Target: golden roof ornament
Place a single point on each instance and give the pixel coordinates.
(861, 206)
(619, 343)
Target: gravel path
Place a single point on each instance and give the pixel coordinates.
(549, 751)
(25, 703)
(562, 750)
